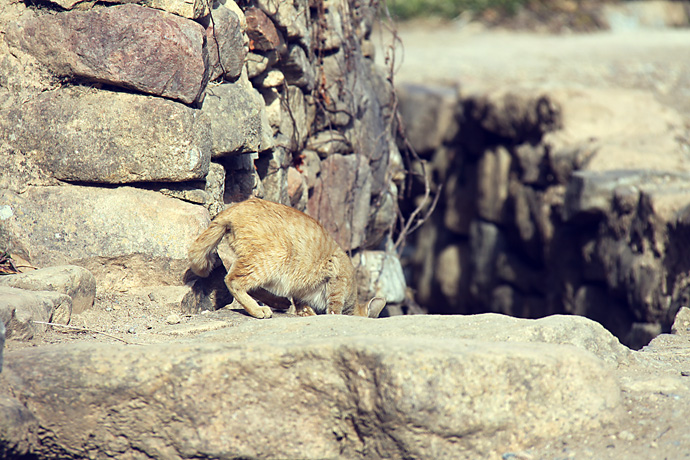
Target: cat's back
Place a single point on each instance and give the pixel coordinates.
(273, 226)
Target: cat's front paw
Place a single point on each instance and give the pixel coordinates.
(264, 312)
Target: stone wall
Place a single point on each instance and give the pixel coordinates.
(126, 125)
(553, 201)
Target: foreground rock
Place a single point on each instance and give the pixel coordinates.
(76, 282)
(19, 309)
(2, 341)
(326, 387)
(130, 46)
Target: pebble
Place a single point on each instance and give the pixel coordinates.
(625, 435)
(517, 456)
(173, 319)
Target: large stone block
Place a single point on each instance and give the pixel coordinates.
(21, 75)
(613, 129)
(383, 216)
(341, 197)
(297, 189)
(62, 225)
(297, 68)
(121, 137)
(460, 194)
(486, 243)
(272, 168)
(262, 33)
(287, 111)
(430, 115)
(76, 282)
(190, 9)
(452, 273)
(236, 111)
(518, 116)
(493, 174)
(130, 46)
(226, 51)
(292, 16)
(380, 274)
(371, 134)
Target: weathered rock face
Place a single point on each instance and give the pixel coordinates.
(121, 137)
(380, 275)
(129, 45)
(342, 173)
(241, 133)
(19, 309)
(191, 9)
(559, 201)
(225, 38)
(375, 388)
(58, 225)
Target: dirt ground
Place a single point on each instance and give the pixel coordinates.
(656, 386)
(475, 58)
(133, 318)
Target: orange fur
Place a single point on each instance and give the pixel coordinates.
(285, 252)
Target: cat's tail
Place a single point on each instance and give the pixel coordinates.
(201, 251)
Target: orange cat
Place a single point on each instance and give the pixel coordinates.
(285, 252)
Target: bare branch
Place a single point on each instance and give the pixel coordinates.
(83, 329)
(421, 213)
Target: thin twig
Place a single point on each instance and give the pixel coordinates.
(83, 329)
(415, 220)
(26, 266)
(419, 215)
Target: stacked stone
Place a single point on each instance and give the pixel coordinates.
(125, 127)
(558, 201)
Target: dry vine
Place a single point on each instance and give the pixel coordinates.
(426, 207)
(335, 96)
(83, 329)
